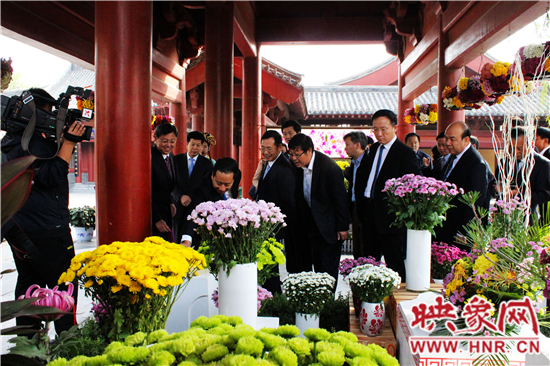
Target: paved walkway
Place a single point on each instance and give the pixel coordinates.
(80, 195)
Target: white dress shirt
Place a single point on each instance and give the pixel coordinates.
(387, 148)
(308, 174)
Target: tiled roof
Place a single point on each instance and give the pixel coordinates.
(365, 100)
(75, 76)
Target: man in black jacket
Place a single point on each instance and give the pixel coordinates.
(321, 206)
(163, 180)
(39, 234)
(213, 188)
(190, 168)
(388, 158)
(465, 168)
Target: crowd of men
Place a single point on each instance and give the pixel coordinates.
(309, 187)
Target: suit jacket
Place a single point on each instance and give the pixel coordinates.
(426, 170)
(278, 186)
(204, 192)
(547, 154)
(539, 181)
(162, 184)
(470, 174)
(439, 164)
(329, 204)
(399, 161)
(185, 184)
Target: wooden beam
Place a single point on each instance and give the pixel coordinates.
(73, 44)
(427, 42)
(168, 65)
(421, 82)
(271, 84)
(455, 10)
(491, 28)
(320, 30)
(243, 29)
(166, 91)
(195, 76)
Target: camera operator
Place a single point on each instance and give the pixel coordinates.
(39, 234)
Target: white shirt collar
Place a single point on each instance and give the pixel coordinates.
(544, 150)
(165, 156)
(462, 153)
(270, 163)
(189, 157)
(310, 165)
(389, 144)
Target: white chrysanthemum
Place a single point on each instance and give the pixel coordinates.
(533, 50)
(448, 103)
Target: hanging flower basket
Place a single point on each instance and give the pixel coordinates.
(535, 61)
(421, 114)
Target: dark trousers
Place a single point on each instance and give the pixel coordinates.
(357, 233)
(55, 258)
(316, 251)
(389, 242)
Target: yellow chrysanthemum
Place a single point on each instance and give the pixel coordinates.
(432, 117)
(482, 264)
(89, 284)
(547, 65)
(417, 108)
(492, 311)
(500, 99)
(500, 68)
(408, 119)
(147, 296)
(116, 288)
(463, 84)
(134, 287)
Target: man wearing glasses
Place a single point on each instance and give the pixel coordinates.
(321, 207)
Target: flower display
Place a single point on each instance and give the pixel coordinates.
(373, 283)
(307, 292)
(136, 283)
(495, 80)
(160, 119)
(271, 255)
(7, 73)
(56, 298)
(444, 256)
(419, 203)
(88, 103)
(450, 98)
(234, 230)
(421, 114)
(347, 264)
(331, 142)
(263, 294)
(223, 340)
(470, 90)
(534, 60)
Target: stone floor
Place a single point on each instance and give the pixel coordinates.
(80, 195)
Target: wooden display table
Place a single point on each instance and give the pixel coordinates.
(386, 339)
(403, 295)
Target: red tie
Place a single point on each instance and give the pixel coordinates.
(167, 160)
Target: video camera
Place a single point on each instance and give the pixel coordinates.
(16, 114)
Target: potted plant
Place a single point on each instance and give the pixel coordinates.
(419, 204)
(82, 219)
(233, 232)
(372, 284)
(307, 293)
(444, 256)
(345, 268)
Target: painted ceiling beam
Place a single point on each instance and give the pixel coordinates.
(243, 29)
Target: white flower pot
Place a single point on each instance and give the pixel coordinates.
(238, 292)
(371, 318)
(82, 234)
(417, 264)
(306, 321)
(438, 281)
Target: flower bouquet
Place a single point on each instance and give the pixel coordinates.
(372, 284)
(159, 119)
(535, 60)
(421, 114)
(233, 231)
(494, 79)
(470, 91)
(135, 283)
(307, 292)
(419, 203)
(444, 256)
(348, 264)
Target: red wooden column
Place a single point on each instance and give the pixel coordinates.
(445, 77)
(123, 34)
(218, 83)
(252, 119)
(197, 123)
(402, 128)
(179, 111)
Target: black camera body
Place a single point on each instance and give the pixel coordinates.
(16, 114)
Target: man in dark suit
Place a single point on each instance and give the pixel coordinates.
(277, 184)
(424, 160)
(465, 168)
(442, 158)
(321, 206)
(539, 179)
(388, 158)
(190, 168)
(163, 180)
(213, 187)
(356, 148)
(542, 141)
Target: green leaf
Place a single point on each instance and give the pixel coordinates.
(9, 308)
(39, 310)
(19, 330)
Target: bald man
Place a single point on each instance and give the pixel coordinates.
(465, 168)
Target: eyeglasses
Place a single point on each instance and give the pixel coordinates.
(296, 155)
(268, 149)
